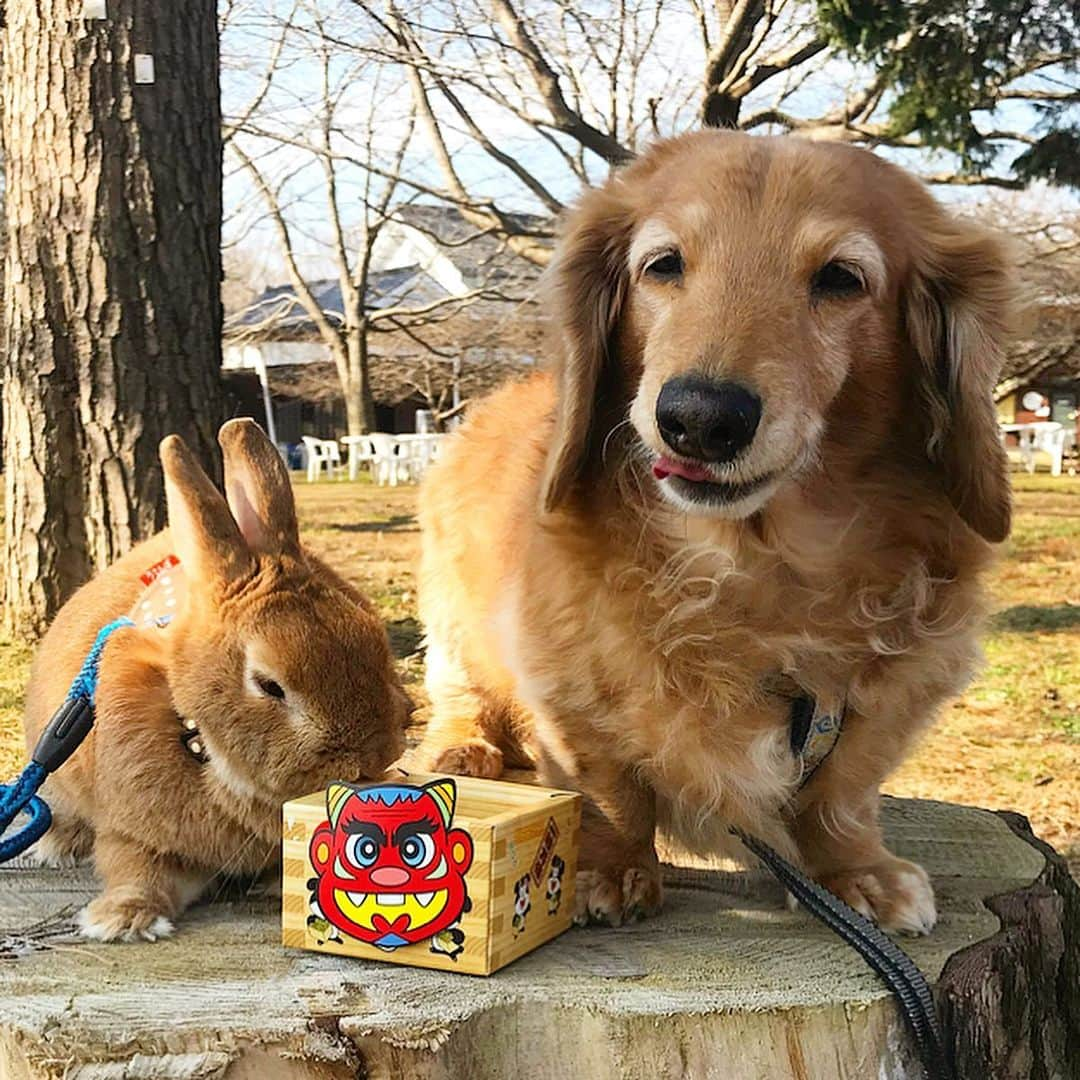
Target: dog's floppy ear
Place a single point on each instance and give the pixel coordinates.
(586, 287)
(958, 310)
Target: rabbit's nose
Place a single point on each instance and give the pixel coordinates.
(389, 876)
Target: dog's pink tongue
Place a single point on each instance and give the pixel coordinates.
(664, 467)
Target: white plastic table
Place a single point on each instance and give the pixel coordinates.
(393, 458)
(419, 451)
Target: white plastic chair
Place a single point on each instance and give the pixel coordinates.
(388, 466)
(1053, 439)
(321, 452)
(359, 452)
(414, 456)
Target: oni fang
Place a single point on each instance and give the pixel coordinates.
(389, 869)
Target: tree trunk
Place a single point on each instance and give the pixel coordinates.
(113, 270)
(359, 401)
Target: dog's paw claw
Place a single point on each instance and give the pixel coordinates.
(894, 893)
(604, 898)
(477, 758)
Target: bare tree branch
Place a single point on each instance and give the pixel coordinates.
(776, 65)
(563, 118)
(522, 246)
(296, 279)
(229, 128)
(504, 159)
(980, 180)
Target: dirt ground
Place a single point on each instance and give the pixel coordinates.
(1012, 741)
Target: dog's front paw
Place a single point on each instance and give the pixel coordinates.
(895, 893)
(474, 758)
(612, 897)
(123, 917)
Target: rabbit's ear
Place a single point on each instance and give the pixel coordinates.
(206, 538)
(258, 489)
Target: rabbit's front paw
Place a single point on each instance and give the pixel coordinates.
(123, 915)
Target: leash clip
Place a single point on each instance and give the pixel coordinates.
(64, 733)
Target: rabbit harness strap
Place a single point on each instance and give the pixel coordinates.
(192, 741)
(60, 739)
(166, 586)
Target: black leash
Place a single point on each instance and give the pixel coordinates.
(889, 961)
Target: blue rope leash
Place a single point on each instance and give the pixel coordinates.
(60, 739)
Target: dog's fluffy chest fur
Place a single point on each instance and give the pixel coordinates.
(672, 656)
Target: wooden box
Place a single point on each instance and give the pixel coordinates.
(500, 859)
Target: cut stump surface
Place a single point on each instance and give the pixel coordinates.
(726, 983)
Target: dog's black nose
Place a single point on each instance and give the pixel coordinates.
(711, 421)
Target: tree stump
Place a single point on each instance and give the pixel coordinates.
(725, 983)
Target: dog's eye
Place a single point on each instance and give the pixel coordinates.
(270, 688)
(835, 279)
(666, 266)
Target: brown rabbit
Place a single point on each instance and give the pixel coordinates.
(282, 667)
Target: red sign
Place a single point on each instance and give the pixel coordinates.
(545, 850)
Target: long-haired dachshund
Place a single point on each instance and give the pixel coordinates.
(764, 468)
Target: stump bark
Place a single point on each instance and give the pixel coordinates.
(725, 983)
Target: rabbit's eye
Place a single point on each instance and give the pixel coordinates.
(269, 687)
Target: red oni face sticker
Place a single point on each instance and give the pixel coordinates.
(390, 870)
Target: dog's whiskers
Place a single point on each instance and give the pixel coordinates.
(609, 436)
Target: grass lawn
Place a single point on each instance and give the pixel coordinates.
(1012, 741)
